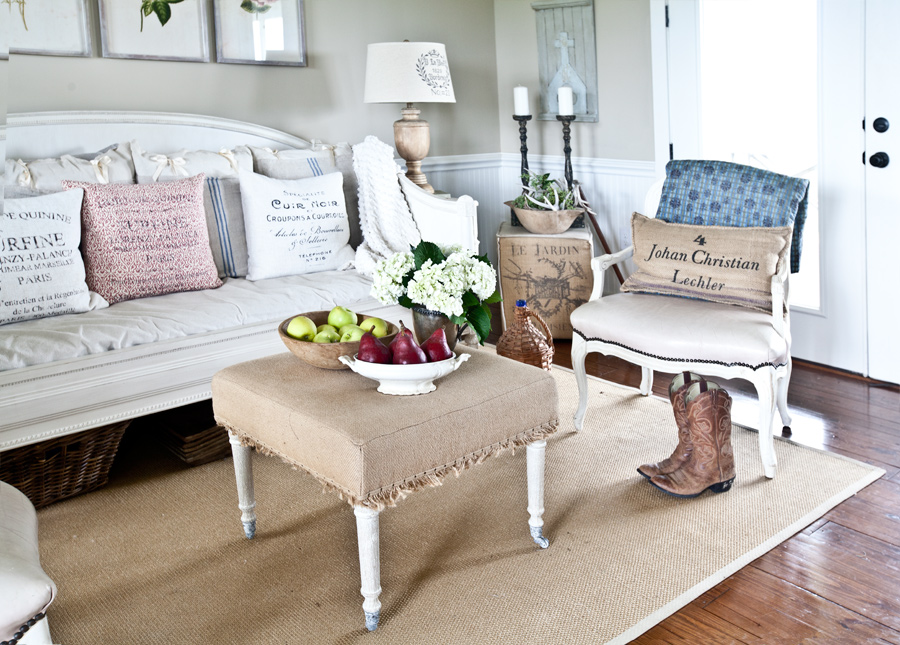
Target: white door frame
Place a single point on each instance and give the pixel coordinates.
(836, 334)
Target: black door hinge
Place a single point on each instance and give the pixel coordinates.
(672, 151)
(864, 157)
(667, 15)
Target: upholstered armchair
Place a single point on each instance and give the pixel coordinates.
(658, 330)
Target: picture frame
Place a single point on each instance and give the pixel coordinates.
(49, 27)
(260, 32)
(154, 30)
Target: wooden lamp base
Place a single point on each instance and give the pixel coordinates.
(412, 138)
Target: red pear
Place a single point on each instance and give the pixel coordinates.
(436, 347)
(404, 349)
(372, 350)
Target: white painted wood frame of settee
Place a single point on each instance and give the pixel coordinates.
(45, 401)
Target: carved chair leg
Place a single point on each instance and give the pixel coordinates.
(782, 392)
(535, 467)
(367, 536)
(243, 474)
(765, 388)
(578, 353)
(646, 381)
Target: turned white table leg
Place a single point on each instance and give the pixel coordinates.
(243, 474)
(369, 563)
(535, 465)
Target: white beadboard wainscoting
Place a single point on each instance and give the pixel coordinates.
(614, 189)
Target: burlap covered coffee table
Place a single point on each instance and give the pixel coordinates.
(374, 449)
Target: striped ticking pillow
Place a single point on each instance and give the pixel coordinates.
(719, 193)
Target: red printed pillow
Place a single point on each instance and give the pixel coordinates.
(145, 239)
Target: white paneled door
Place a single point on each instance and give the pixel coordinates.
(786, 86)
(883, 187)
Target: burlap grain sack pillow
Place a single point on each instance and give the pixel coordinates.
(732, 265)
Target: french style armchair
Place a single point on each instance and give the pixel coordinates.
(677, 334)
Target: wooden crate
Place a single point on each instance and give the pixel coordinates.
(552, 273)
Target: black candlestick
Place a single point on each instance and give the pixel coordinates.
(523, 137)
(567, 149)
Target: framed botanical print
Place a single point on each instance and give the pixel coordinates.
(260, 32)
(154, 29)
(51, 27)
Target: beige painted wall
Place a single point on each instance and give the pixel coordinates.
(323, 100)
(625, 129)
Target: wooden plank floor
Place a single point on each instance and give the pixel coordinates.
(838, 580)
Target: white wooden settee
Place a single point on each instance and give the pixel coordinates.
(72, 394)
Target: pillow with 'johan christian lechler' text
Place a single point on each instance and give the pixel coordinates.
(41, 271)
(145, 239)
(728, 264)
(294, 226)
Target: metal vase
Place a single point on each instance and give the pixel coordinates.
(426, 322)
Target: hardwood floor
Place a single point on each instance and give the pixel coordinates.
(838, 580)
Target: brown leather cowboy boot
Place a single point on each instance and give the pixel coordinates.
(677, 389)
(710, 464)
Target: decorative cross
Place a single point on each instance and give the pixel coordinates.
(563, 43)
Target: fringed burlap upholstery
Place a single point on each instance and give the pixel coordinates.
(374, 449)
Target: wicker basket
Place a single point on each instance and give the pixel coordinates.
(523, 342)
(63, 467)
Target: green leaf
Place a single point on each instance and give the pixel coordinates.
(481, 323)
(162, 11)
(404, 301)
(427, 251)
(147, 7)
(459, 320)
(251, 7)
(469, 299)
(494, 297)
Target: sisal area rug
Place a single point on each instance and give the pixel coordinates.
(159, 556)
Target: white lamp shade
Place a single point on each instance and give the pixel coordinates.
(408, 73)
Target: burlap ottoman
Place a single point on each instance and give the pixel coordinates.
(374, 449)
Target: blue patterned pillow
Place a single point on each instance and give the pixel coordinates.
(719, 193)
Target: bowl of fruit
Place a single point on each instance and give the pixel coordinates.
(401, 366)
(320, 338)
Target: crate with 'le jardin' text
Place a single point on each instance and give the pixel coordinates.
(552, 273)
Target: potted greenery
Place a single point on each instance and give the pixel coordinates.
(545, 206)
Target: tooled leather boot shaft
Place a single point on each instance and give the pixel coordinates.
(684, 447)
(711, 462)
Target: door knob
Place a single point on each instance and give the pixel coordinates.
(880, 159)
(881, 124)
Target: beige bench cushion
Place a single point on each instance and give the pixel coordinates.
(375, 448)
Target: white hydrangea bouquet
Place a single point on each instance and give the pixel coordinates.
(453, 281)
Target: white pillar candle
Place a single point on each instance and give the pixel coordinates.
(566, 101)
(520, 100)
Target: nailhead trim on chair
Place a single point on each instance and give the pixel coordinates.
(24, 628)
(679, 360)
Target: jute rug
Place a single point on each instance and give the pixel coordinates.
(159, 555)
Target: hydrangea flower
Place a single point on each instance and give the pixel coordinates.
(444, 282)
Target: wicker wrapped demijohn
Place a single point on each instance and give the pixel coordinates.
(524, 342)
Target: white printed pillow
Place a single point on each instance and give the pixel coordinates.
(221, 195)
(314, 162)
(146, 239)
(294, 226)
(41, 270)
(42, 176)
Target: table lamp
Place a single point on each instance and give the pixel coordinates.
(409, 73)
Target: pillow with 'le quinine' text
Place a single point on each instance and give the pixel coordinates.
(41, 269)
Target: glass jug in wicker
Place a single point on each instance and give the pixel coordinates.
(524, 342)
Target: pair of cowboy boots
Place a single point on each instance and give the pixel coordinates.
(703, 459)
